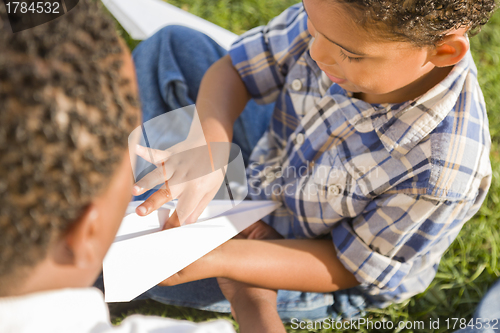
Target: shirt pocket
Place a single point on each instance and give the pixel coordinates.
(302, 87)
(334, 186)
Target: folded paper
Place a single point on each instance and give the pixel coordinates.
(142, 255)
(142, 18)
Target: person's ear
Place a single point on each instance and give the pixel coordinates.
(450, 50)
(79, 245)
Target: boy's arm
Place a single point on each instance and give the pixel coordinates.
(221, 99)
(261, 60)
(309, 264)
(400, 231)
(306, 265)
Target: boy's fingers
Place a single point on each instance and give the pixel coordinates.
(155, 177)
(171, 281)
(244, 233)
(260, 230)
(172, 222)
(149, 181)
(151, 155)
(186, 204)
(239, 236)
(156, 200)
(199, 209)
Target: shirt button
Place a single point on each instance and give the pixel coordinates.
(334, 189)
(296, 84)
(299, 139)
(270, 177)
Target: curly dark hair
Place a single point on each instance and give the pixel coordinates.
(66, 111)
(422, 22)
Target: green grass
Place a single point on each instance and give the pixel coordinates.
(471, 264)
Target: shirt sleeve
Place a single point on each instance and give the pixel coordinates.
(398, 235)
(263, 56)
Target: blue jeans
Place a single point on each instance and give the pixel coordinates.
(487, 312)
(169, 68)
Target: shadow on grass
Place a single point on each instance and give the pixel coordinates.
(119, 311)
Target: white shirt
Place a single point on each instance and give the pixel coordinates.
(84, 310)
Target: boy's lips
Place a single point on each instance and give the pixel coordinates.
(335, 79)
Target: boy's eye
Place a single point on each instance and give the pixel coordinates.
(346, 57)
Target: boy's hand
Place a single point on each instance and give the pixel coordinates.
(186, 172)
(259, 230)
(221, 99)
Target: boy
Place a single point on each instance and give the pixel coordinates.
(68, 95)
(377, 147)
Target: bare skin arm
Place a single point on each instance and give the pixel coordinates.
(221, 99)
(304, 265)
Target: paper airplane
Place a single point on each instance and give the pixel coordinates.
(142, 256)
(142, 18)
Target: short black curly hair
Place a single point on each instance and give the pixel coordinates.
(422, 22)
(66, 111)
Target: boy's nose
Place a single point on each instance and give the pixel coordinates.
(319, 54)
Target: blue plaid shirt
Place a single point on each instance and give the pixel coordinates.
(391, 184)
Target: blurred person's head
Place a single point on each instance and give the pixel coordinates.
(68, 102)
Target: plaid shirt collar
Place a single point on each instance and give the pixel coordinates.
(402, 126)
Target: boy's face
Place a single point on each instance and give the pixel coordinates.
(378, 70)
